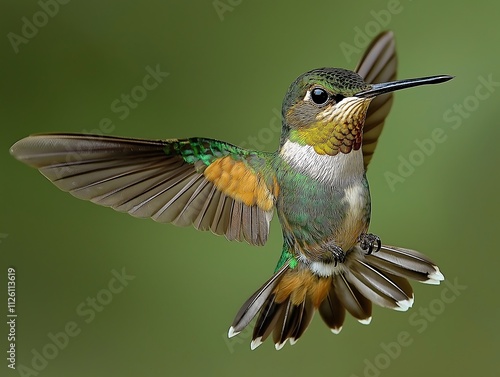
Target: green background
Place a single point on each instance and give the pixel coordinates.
(227, 76)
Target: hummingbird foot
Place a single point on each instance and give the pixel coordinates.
(370, 242)
(337, 253)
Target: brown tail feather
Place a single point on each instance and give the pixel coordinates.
(352, 300)
(289, 310)
(286, 302)
(307, 312)
(332, 310)
(266, 322)
(255, 303)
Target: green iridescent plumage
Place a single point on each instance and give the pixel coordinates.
(286, 257)
(205, 150)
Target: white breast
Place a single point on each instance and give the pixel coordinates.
(339, 170)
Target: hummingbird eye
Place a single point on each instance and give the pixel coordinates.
(319, 96)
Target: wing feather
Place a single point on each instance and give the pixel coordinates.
(378, 64)
(165, 180)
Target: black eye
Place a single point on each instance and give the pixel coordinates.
(319, 96)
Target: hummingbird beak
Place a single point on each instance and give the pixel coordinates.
(387, 87)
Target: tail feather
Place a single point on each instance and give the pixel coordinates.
(267, 320)
(406, 263)
(378, 287)
(286, 312)
(286, 324)
(287, 301)
(255, 303)
(292, 322)
(306, 315)
(332, 310)
(351, 298)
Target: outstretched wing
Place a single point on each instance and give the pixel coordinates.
(378, 64)
(213, 185)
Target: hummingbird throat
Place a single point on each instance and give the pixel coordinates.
(338, 128)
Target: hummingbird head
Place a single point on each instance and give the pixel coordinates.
(320, 109)
(326, 108)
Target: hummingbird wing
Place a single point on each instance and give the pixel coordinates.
(378, 64)
(211, 184)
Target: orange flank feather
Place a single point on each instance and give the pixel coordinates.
(237, 180)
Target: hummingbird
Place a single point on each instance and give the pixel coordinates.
(315, 182)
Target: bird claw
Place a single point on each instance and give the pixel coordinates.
(367, 241)
(338, 254)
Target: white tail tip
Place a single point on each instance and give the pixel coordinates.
(404, 305)
(255, 343)
(279, 346)
(435, 278)
(365, 321)
(232, 333)
(336, 330)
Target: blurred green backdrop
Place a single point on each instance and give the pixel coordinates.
(229, 63)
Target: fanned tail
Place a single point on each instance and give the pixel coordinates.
(286, 303)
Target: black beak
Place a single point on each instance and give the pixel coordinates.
(386, 87)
